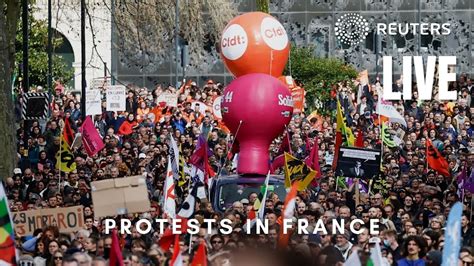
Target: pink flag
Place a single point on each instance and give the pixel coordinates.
(90, 137)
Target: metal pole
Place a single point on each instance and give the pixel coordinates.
(50, 49)
(26, 83)
(176, 40)
(105, 70)
(83, 58)
(114, 53)
(419, 21)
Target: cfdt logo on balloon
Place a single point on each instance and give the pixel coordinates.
(234, 42)
(255, 37)
(274, 34)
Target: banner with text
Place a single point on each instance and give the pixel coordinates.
(66, 219)
(171, 99)
(116, 98)
(93, 102)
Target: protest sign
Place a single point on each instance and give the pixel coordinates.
(115, 98)
(120, 196)
(171, 99)
(356, 162)
(93, 102)
(68, 220)
(297, 94)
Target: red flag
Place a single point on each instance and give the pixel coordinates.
(200, 258)
(436, 160)
(277, 162)
(336, 150)
(115, 257)
(166, 239)
(68, 133)
(285, 145)
(360, 139)
(313, 160)
(176, 260)
(200, 158)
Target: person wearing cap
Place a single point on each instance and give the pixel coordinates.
(343, 244)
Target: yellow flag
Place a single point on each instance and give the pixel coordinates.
(65, 158)
(297, 170)
(182, 176)
(342, 126)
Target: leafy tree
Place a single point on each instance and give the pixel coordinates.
(263, 6)
(38, 54)
(318, 75)
(8, 25)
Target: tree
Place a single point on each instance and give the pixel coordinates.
(263, 6)
(145, 28)
(317, 75)
(38, 56)
(8, 25)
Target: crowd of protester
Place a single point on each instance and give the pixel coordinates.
(412, 210)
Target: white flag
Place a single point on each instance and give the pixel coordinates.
(390, 112)
(261, 210)
(353, 260)
(170, 194)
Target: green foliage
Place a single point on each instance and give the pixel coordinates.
(38, 54)
(318, 75)
(263, 6)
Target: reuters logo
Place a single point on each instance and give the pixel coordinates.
(351, 29)
(234, 42)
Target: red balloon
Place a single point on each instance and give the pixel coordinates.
(255, 42)
(256, 107)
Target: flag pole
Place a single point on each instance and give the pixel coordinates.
(60, 154)
(357, 192)
(190, 243)
(230, 149)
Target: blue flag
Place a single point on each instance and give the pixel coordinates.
(452, 236)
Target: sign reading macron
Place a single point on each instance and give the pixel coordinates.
(66, 219)
(115, 98)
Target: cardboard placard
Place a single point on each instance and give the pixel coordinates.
(118, 196)
(69, 219)
(116, 97)
(169, 98)
(93, 102)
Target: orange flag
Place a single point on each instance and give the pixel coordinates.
(287, 213)
(436, 160)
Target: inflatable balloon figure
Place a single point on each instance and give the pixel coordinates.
(256, 107)
(254, 42)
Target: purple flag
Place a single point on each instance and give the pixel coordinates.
(469, 182)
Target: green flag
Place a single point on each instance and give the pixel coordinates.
(387, 137)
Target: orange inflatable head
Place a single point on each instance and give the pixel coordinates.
(255, 42)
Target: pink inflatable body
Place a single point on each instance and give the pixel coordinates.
(262, 106)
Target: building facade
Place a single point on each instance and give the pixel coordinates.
(308, 22)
